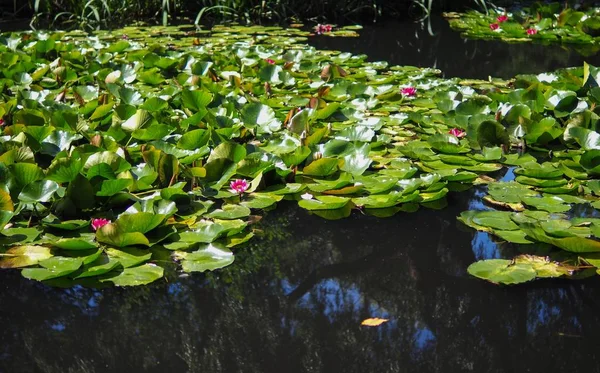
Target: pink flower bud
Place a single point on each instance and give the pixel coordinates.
(409, 91)
(457, 132)
(99, 223)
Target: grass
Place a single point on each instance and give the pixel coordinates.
(107, 14)
(96, 14)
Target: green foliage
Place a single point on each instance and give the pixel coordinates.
(150, 132)
(542, 22)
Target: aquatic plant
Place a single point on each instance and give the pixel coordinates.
(239, 186)
(542, 23)
(161, 133)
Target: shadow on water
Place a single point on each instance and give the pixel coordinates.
(406, 43)
(294, 299)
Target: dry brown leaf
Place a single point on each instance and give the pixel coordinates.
(374, 321)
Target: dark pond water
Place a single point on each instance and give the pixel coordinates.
(411, 44)
(293, 301)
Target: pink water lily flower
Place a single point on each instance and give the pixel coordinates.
(1, 122)
(494, 26)
(532, 31)
(99, 223)
(457, 132)
(270, 61)
(239, 186)
(502, 18)
(409, 91)
(321, 29)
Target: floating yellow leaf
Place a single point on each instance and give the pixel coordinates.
(374, 321)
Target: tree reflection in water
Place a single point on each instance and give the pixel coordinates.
(405, 43)
(293, 302)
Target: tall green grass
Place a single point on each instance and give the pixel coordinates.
(93, 14)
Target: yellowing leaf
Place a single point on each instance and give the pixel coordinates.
(374, 321)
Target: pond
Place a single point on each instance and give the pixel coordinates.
(294, 299)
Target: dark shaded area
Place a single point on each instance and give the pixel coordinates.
(294, 300)
(406, 43)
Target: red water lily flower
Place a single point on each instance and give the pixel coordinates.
(457, 132)
(239, 186)
(270, 61)
(321, 29)
(494, 26)
(409, 91)
(99, 223)
(532, 31)
(502, 18)
(1, 122)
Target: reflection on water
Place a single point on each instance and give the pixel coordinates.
(294, 300)
(405, 43)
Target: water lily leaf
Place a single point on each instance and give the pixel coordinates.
(510, 192)
(195, 100)
(238, 239)
(53, 268)
(260, 200)
(230, 211)
(115, 234)
(64, 170)
(321, 167)
(517, 236)
(334, 214)
(494, 219)
(571, 244)
(38, 191)
(324, 203)
(261, 116)
(207, 258)
(129, 257)
(544, 267)
(141, 221)
(474, 105)
(84, 241)
(535, 170)
(140, 119)
(204, 232)
(23, 256)
(100, 266)
(112, 187)
(135, 276)
(587, 139)
(446, 143)
(194, 139)
(6, 203)
(590, 160)
(228, 150)
(550, 204)
(500, 271)
(357, 162)
(491, 133)
(26, 173)
(5, 217)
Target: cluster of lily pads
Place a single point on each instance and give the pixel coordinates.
(129, 153)
(542, 22)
